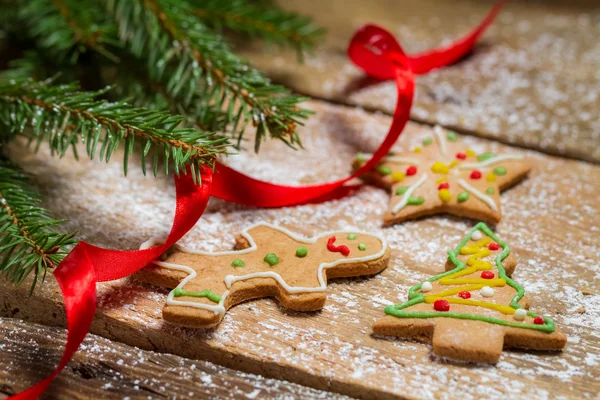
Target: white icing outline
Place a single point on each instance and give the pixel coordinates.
(481, 196)
(231, 279)
(402, 203)
(396, 159)
(490, 161)
(439, 135)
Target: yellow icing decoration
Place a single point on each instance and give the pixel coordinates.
(453, 164)
(491, 177)
(440, 168)
(444, 195)
(417, 150)
(498, 307)
(477, 251)
(470, 153)
(441, 180)
(397, 176)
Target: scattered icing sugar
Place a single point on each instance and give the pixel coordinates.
(550, 220)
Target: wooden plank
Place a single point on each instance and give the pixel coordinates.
(110, 370)
(532, 82)
(550, 220)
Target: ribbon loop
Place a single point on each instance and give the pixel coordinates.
(376, 51)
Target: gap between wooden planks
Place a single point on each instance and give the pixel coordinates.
(531, 81)
(550, 221)
(106, 369)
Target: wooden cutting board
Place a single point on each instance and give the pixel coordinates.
(551, 221)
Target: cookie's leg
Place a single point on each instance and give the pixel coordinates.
(191, 317)
(473, 341)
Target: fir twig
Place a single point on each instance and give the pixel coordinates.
(69, 27)
(265, 21)
(167, 33)
(62, 115)
(28, 240)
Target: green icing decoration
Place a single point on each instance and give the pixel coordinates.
(452, 136)
(237, 263)
(500, 171)
(383, 170)
(390, 154)
(427, 141)
(489, 190)
(485, 156)
(417, 298)
(401, 190)
(415, 201)
(215, 298)
(271, 259)
(463, 196)
(352, 236)
(360, 157)
(300, 252)
(362, 247)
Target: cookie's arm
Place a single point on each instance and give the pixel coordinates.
(160, 276)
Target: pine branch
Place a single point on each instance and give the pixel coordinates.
(134, 83)
(167, 33)
(28, 240)
(62, 115)
(264, 21)
(69, 27)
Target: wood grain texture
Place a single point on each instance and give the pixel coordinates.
(531, 82)
(111, 370)
(551, 221)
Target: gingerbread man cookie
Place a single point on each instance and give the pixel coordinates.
(473, 310)
(443, 176)
(268, 262)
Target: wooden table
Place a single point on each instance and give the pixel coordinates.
(533, 104)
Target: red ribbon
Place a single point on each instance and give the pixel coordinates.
(375, 51)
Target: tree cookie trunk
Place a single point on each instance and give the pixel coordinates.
(468, 340)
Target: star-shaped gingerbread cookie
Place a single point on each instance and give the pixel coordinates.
(269, 261)
(444, 176)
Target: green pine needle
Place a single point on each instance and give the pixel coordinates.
(267, 22)
(69, 27)
(28, 240)
(195, 63)
(62, 116)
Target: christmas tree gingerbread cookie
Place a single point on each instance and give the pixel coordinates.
(473, 310)
(268, 262)
(443, 176)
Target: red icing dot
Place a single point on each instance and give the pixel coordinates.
(441, 305)
(443, 185)
(487, 275)
(461, 156)
(539, 320)
(475, 174)
(494, 246)
(411, 170)
(464, 295)
(337, 249)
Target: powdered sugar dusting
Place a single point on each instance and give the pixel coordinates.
(550, 220)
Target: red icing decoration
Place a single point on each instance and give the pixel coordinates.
(464, 295)
(444, 185)
(487, 275)
(476, 174)
(411, 170)
(539, 320)
(337, 249)
(461, 156)
(441, 305)
(494, 246)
